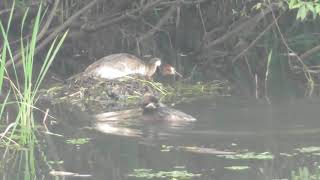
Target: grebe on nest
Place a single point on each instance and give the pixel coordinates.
(124, 64)
(120, 65)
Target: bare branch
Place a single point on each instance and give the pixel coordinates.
(55, 32)
(142, 10)
(254, 41)
(49, 20)
(310, 52)
(249, 23)
(161, 22)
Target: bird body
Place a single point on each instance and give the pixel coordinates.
(120, 65)
(155, 111)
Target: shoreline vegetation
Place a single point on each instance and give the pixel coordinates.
(19, 86)
(223, 48)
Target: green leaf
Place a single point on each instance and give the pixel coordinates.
(310, 6)
(302, 13)
(291, 4)
(298, 5)
(317, 7)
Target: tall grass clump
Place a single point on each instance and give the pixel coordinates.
(23, 89)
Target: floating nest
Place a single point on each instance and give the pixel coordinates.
(100, 95)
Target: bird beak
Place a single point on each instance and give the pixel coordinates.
(151, 106)
(177, 73)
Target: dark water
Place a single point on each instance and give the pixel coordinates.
(233, 138)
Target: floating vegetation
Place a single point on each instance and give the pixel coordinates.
(166, 148)
(195, 149)
(173, 175)
(237, 168)
(311, 149)
(55, 162)
(249, 155)
(287, 154)
(201, 88)
(182, 92)
(66, 173)
(78, 141)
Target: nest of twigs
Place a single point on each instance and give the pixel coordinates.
(100, 95)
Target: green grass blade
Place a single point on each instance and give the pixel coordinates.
(10, 17)
(3, 105)
(48, 60)
(2, 65)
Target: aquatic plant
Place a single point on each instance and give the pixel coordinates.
(24, 90)
(174, 175)
(78, 141)
(237, 168)
(249, 156)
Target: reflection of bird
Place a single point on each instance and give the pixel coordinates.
(119, 115)
(155, 111)
(120, 65)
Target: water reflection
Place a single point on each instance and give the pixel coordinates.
(232, 139)
(117, 123)
(19, 163)
(130, 123)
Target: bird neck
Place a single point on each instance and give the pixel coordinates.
(151, 69)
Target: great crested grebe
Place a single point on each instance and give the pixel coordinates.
(154, 111)
(120, 65)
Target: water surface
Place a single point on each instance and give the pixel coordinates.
(233, 138)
